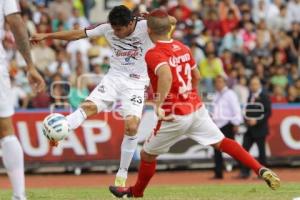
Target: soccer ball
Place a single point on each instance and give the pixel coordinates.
(56, 127)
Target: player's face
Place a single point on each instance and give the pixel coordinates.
(122, 31)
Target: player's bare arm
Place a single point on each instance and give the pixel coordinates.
(62, 35)
(195, 78)
(22, 41)
(164, 83)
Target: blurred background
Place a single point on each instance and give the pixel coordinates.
(234, 39)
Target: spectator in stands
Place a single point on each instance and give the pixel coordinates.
(228, 24)
(273, 10)
(227, 115)
(294, 34)
(59, 66)
(258, 111)
(78, 91)
(42, 56)
(212, 24)
(232, 78)
(233, 41)
(57, 7)
(60, 20)
(293, 10)
(76, 18)
(263, 33)
(242, 90)
(81, 46)
(278, 95)
(259, 12)
(292, 95)
(182, 8)
(97, 74)
(280, 78)
(38, 12)
(59, 91)
(249, 37)
(29, 24)
(225, 6)
(281, 21)
(87, 6)
(294, 74)
(227, 60)
(210, 67)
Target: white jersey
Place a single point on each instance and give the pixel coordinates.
(128, 57)
(7, 7)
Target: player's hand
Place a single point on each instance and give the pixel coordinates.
(162, 115)
(36, 81)
(36, 38)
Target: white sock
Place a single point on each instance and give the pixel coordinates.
(13, 161)
(128, 148)
(76, 118)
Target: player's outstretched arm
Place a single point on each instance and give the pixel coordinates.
(18, 28)
(62, 35)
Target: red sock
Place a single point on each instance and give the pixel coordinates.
(236, 151)
(146, 171)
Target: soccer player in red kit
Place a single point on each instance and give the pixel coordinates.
(174, 76)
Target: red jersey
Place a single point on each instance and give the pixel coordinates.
(182, 98)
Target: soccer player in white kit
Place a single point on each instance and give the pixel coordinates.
(12, 153)
(126, 79)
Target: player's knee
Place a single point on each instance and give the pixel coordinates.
(6, 127)
(89, 108)
(131, 129)
(147, 157)
(216, 145)
(131, 125)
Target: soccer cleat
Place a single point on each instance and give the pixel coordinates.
(120, 181)
(121, 192)
(270, 177)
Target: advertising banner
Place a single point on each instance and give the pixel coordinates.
(100, 138)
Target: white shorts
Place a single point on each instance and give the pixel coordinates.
(197, 126)
(6, 103)
(131, 93)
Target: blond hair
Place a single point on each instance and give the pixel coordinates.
(158, 21)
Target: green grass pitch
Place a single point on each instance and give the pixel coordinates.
(288, 191)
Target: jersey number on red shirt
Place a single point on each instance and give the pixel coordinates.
(185, 86)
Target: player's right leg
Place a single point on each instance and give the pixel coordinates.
(12, 153)
(166, 134)
(145, 173)
(102, 97)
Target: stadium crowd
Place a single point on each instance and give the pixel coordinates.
(234, 39)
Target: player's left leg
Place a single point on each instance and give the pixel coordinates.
(206, 132)
(236, 151)
(128, 148)
(12, 153)
(12, 157)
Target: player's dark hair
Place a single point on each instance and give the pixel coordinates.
(120, 16)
